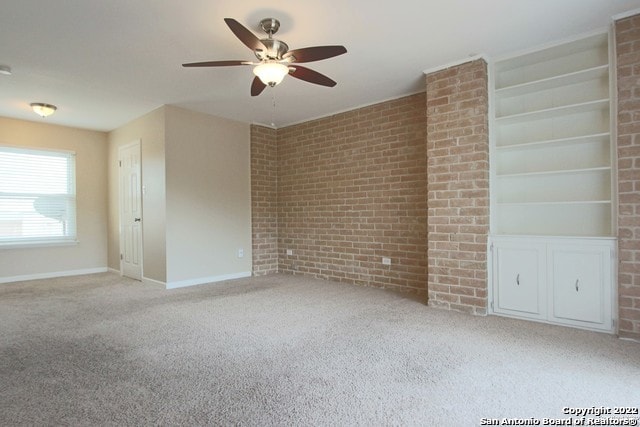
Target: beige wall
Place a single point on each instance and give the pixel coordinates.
(149, 129)
(208, 196)
(91, 198)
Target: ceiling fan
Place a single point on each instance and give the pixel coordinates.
(276, 60)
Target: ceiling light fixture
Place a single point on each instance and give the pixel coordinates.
(42, 109)
(271, 73)
(5, 69)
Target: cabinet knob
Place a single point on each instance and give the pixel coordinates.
(518, 279)
(577, 285)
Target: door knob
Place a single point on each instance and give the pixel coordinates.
(136, 219)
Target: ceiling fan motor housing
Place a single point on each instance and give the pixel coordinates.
(275, 49)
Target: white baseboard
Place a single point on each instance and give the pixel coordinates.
(203, 280)
(52, 274)
(154, 282)
(144, 280)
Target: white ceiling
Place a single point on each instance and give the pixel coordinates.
(104, 63)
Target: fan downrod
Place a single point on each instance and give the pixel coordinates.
(275, 48)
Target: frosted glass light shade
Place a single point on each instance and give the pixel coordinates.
(43, 110)
(271, 73)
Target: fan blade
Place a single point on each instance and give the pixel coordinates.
(257, 86)
(216, 64)
(247, 37)
(310, 54)
(311, 76)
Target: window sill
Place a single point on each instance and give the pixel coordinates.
(37, 244)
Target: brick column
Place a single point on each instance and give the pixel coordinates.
(264, 200)
(458, 187)
(627, 34)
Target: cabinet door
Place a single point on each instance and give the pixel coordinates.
(519, 279)
(578, 280)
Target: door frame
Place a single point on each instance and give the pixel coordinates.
(138, 143)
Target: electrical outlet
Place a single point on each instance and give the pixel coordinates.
(289, 252)
(240, 253)
(386, 261)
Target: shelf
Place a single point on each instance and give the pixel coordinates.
(554, 189)
(578, 202)
(554, 172)
(557, 239)
(576, 219)
(554, 112)
(553, 82)
(575, 125)
(589, 154)
(556, 142)
(594, 42)
(568, 58)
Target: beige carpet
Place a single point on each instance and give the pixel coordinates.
(285, 350)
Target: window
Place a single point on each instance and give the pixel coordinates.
(37, 196)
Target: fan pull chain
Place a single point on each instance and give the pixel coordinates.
(273, 110)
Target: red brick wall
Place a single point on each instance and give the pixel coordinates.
(351, 190)
(627, 33)
(264, 210)
(458, 189)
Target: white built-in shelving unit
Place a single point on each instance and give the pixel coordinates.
(553, 190)
(552, 150)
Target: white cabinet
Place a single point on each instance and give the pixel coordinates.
(551, 144)
(564, 281)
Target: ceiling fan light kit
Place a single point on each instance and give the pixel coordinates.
(275, 57)
(271, 73)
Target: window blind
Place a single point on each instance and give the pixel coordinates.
(37, 196)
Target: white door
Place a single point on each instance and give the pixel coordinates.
(130, 211)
